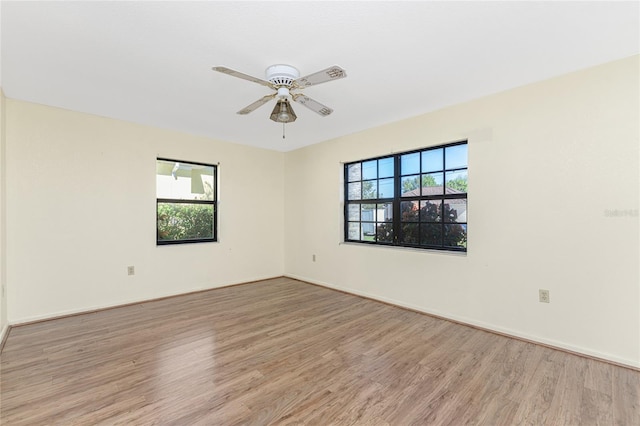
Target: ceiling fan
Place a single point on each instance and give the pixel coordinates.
(286, 82)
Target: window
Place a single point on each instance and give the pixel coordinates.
(412, 199)
(186, 202)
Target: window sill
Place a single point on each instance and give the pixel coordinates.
(412, 249)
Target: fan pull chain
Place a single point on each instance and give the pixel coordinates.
(282, 130)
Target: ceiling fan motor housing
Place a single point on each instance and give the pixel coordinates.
(282, 75)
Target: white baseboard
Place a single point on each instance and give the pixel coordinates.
(482, 325)
(89, 309)
(3, 335)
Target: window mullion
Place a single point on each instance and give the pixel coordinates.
(396, 199)
(181, 201)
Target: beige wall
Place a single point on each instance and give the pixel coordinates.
(549, 163)
(80, 207)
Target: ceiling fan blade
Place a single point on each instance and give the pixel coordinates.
(257, 104)
(313, 105)
(243, 76)
(329, 74)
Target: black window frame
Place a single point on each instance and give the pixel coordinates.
(213, 203)
(391, 231)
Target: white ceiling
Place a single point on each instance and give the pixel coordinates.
(150, 62)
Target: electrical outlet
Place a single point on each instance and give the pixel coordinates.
(544, 296)
(131, 270)
(313, 257)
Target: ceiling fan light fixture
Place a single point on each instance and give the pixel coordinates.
(283, 113)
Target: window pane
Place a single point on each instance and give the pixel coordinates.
(354, 172)
(409, 211)
(456, 156)
(385, 188)
(184, 221)
(410, 233)
(368, 232)
(184, 181)
(385, 167)
(456, 182)
(432, 160)
(370, 170)
(354, 230)
(385, 232)
(385, 212)
(430, 211)
(353, 212)
(410, 186)
(369, 189)
(368, 213)
(455, 235)
(432, 184)
(430, 234)
(410, 164)
(455, 210)
(354, 191)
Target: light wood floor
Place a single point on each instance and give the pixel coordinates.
(284, 352)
